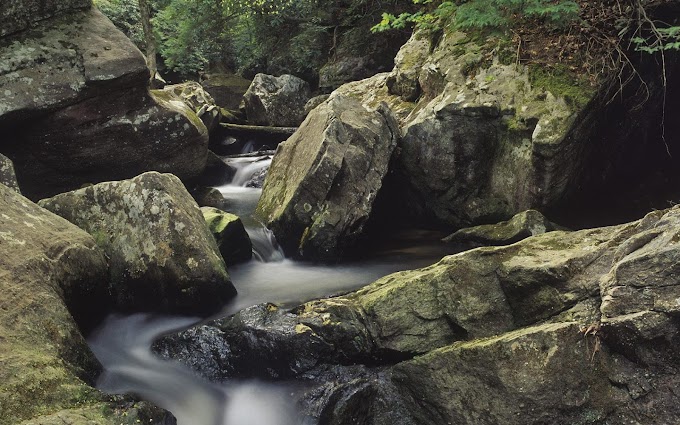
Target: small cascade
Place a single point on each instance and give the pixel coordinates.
(265, 247)
(123, 346)
(246, 170)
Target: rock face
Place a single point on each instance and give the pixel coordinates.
(7, 175)
(485, 141)
(323, 180)
(560, 328)
(231, 236)
(46, 264)
(82, 113)
(520, 226)
(161, 254)
(276, 101)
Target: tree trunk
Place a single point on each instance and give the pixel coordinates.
(149, 40)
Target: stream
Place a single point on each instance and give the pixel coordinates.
(123, 342)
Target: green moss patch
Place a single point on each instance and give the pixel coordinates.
(561, 82)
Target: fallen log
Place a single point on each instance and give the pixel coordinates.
(258, 130)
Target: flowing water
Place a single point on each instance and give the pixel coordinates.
(122, 343)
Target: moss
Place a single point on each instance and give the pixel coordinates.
(561, 82)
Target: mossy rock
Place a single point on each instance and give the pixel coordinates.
(232, 238)
(50, 272)
(520, 226)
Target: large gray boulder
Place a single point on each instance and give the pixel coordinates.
(161, 254)
(276, 101)
(486, 141)
(560, 328)
(50, 271)
(323, 180)
(83, 114)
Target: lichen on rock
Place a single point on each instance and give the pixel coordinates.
(162, 256)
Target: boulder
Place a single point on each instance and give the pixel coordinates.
(276, 101)
(486, 141)
(216, 172)
(560, 328)
(50, 272)
(520, 226)
(408, 63)
(226, 89)
(314, 102)
(232, 240)
(324, 179)
(83, 114)
(200, 102)
(7, 175)
(209, 197)
(161, 254)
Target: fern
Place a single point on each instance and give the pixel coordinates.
(484, 14)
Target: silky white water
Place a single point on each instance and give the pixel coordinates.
(123, 343)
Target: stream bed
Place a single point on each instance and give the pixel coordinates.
(123, 342)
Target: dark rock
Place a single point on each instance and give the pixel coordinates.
(209, 197)
(520, 226)
(232, 239)
(257, 180)
(19, 15)
(162, 256)
(216, 172)
(560, 328)
(276, 101)
(226, 89)
(333, 164)
(7, 175)
(83, 114)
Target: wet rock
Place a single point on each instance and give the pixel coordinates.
(276, 101)
(333, 164)
(50, 272)
(7, 175)
(257, 179)
(161, 254)
(530, 333)
(216, 172)
(520, 226)
(75, 108)
(232, 239)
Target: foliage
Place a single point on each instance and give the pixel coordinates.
(125, 15)
(483, 14)
(660, 39)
